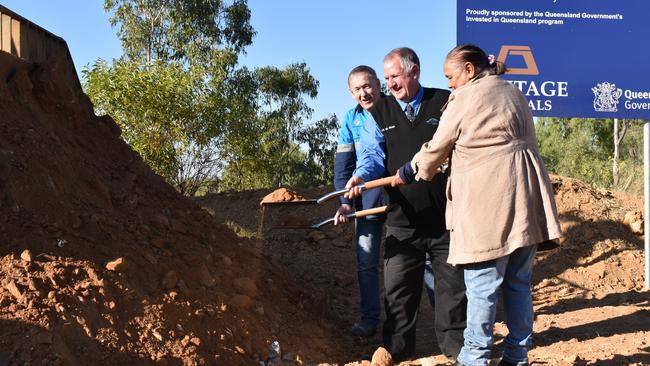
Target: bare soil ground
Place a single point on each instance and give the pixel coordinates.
(588, 294)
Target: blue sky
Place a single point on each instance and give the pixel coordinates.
(331, 36)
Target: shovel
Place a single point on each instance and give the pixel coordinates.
(365, 186)
(354, 215)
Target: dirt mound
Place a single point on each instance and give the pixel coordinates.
(282, 195)
(120, 268)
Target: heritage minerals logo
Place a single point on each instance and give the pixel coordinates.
(606, 97)
(519, 51)
(540, 93)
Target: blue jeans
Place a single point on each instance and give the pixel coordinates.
(512, 273)
(368, 242)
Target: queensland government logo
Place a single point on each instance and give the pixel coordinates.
(606, 97)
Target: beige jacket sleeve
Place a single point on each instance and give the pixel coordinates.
(432, 154)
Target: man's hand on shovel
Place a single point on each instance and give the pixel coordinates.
(353, 188)
(340, 216)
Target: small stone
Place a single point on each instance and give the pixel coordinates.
(196, 341)
(185, 290)
(157, 335)
(637, 227)
(5, 300)
(205, 277)
(242, 301)
(150, 258)
(629, 217)
(160, 221)
(226, 260)
(343, 280)
(259, 309)
(287, 356)
(185, 341)
(26, 255)
(173, 295)
(170, 280)
(15, 291)
(316, 236)
(240, 350)
(381, 357)
(340, 243)
(117, 265)
(246, 286)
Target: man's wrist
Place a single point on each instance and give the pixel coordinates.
(406, 173)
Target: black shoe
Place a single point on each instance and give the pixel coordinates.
(508, 363)
(363, 330)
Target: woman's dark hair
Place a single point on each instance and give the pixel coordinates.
(477, 57)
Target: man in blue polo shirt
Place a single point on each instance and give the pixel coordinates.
(365, 89)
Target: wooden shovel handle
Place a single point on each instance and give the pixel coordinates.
(371, 211)
(378, 183)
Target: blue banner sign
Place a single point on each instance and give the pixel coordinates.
(571, 58)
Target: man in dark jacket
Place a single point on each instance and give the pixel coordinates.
(415, 226)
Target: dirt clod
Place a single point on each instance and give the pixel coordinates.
(381, 357)
(26, 255)
(117, 265)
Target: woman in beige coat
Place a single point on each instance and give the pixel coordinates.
(500, 202)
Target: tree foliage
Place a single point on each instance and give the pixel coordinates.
(584, 149)
(166, 114)
(270, 152)
(187, 30)
(195, 117)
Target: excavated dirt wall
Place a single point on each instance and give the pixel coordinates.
(102, 262)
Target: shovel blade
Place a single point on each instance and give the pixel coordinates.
(290, 203)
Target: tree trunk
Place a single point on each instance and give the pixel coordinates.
(615, 176)
(619, 133)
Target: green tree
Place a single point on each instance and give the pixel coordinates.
(584, 149)
(195, 117)
(270, 152)
(165, 114)
(188, 30)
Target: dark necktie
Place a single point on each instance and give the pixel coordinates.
(410, 112)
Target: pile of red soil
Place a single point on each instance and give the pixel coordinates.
(282, 195)
(102, 262)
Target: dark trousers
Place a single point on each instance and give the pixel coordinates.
(404, 261)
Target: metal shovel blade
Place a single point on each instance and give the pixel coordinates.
(290, 203)
(362, 213)
(365, 186)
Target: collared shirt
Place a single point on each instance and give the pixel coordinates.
(415, 103)
(350, 131)
(348, 155)
(371, 163)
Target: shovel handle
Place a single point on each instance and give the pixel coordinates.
(365, 186)
(370, 211)
(378, 183)
(354, 215)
